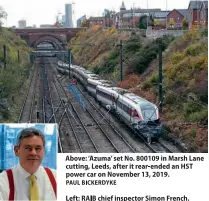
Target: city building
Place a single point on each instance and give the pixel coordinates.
(204, 14)
(194, 13)
(68, 16)
(22, 24)
(127, 18)
(47, 26)
(81, 20)
(105, 21)
(97, 21)
(175, 18)
(160, 18)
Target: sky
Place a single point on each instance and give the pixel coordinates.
(37, 12)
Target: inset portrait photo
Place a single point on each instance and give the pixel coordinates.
(28, 155)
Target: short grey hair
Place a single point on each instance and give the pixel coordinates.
(29, 132)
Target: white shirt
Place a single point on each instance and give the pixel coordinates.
(21, 183)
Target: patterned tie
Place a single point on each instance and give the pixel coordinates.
(33, 188)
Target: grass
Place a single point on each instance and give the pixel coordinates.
(14, 75)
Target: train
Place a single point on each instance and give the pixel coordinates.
(138, 113)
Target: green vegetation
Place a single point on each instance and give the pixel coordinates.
(14, 75)
(185, 24)
(103, 56)
(109, 64)
(96, 49)
(185, 74)
(132, 45)
(142, 58)
(142, 22)
(185, 77)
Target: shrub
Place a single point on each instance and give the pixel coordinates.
(204, 32)
(4, 112)
(142, 59)
(192, 133)
(112, 30)
(192, 35)
(198, 116)
(176, 57)
(190, 108)
(131, 81)
(133, 33)
(195, 49)
(132, 45)
(166, 40)
(171, 98)
(201, 63)
(108, 67)
(113, 55)
(154, 78)
(96, 70)
(146, 85)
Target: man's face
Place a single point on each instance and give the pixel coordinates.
(30, 153)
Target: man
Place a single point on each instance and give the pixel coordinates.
(28, 180)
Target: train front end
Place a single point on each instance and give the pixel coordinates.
(150, 125)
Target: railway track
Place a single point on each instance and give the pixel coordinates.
(155, 147)
(87, 130)
(159, 147)
(93, 120)
(83, 126)
(73, 130)
(27, 109)
(104, 123)
(37, 106)
(48, 106)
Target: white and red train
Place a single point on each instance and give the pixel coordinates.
(138, 113)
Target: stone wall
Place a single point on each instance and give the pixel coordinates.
(161, 33)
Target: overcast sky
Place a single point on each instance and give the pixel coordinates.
(37, 12)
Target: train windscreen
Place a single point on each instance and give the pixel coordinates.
(149, 112)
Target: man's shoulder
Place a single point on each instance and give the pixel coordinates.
(44, 168)
(52, 170)
(3, 174)
(4, 182)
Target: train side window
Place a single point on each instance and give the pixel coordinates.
(119, 104)
(126, 108)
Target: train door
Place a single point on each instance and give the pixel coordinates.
(130, 113)
(116, 98)
(113, 101)
(99, 96)
(135, 117)
(123, 108)
(119, 105)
